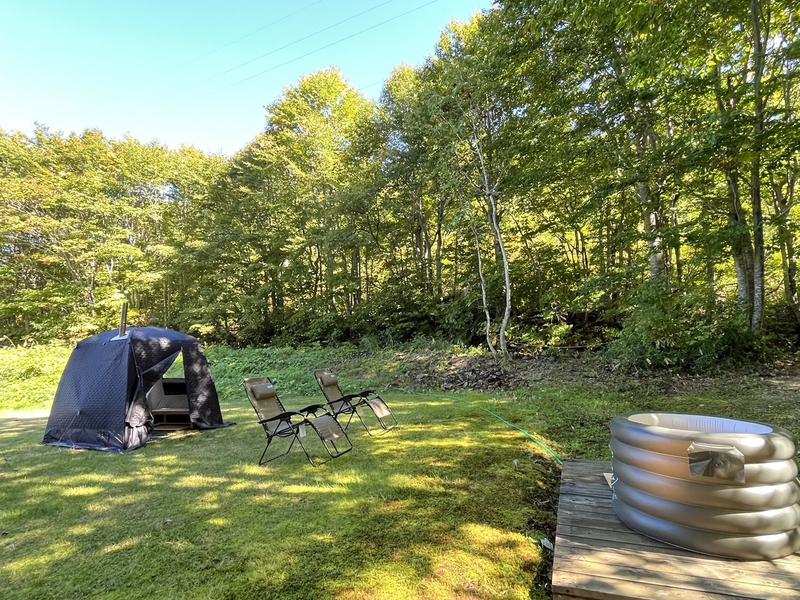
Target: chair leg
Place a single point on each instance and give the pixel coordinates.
(355, 412)
(264, 453)
(289, 449)
(391, 425)
(308, 456)
(346, 425)
(350, 418)
(336, 452)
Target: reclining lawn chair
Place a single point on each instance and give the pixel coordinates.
(348, 404)
(280, 423)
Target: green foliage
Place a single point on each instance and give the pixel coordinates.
(584, 150)
(559, 334)
(290, 368)
(31, 375)
(576, 417)
(86, 222)
(682, 331)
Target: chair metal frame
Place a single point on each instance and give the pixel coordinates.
(293, 429)
(349, 404)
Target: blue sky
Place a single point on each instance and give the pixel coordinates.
(173, 70)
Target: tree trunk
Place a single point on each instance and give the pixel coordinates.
(347, 280)
(490, 194)
(483, 296)
(584, 252)
(786, 244)
(755, 172)
(784, 202)
(90, 296)
(329, 270)
(741, 243)
(356, 274)
(316, 261)
(711, 281)
(439, 243)
(652, 228)
(639, 120)
(677, 245)
(423, 242)
(506, 276)
(367, 279)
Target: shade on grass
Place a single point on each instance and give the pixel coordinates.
(448, 505)
(435, 509)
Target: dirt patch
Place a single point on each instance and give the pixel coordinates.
(448, 371)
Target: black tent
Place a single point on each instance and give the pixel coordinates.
(102, 400)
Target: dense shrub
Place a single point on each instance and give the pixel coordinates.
(684, 331)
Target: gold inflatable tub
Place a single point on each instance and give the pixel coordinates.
(712, 485)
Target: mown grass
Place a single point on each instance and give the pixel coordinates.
(30, 376)
(450, 505)
(435, 509)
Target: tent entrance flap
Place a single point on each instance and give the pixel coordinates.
(169, 404)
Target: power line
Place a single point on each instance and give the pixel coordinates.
(335, 42)
(253, 32)
(373, 84)
(304, 38)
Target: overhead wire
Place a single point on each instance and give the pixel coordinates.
(254, 31)
(336, 42)
(304, 38)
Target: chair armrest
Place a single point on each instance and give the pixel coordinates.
(311, 409)
(286, 416)
(347, 397)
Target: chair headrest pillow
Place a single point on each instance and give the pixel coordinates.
(328, 379)
(262, 391)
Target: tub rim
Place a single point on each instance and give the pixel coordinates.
(773, 444)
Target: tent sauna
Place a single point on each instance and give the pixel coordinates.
(112, 392)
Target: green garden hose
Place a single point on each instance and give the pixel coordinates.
(541, 445)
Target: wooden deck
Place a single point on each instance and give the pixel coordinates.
(597, 557)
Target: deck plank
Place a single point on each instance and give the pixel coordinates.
(599, 558)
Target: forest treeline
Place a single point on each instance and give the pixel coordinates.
(557, 173)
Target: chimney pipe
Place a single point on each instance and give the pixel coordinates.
(123, 322)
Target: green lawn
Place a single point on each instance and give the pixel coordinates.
(450, 505)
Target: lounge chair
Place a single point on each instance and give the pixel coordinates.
(280, 423)
(348, 404)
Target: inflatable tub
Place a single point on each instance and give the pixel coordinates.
(712, 485)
